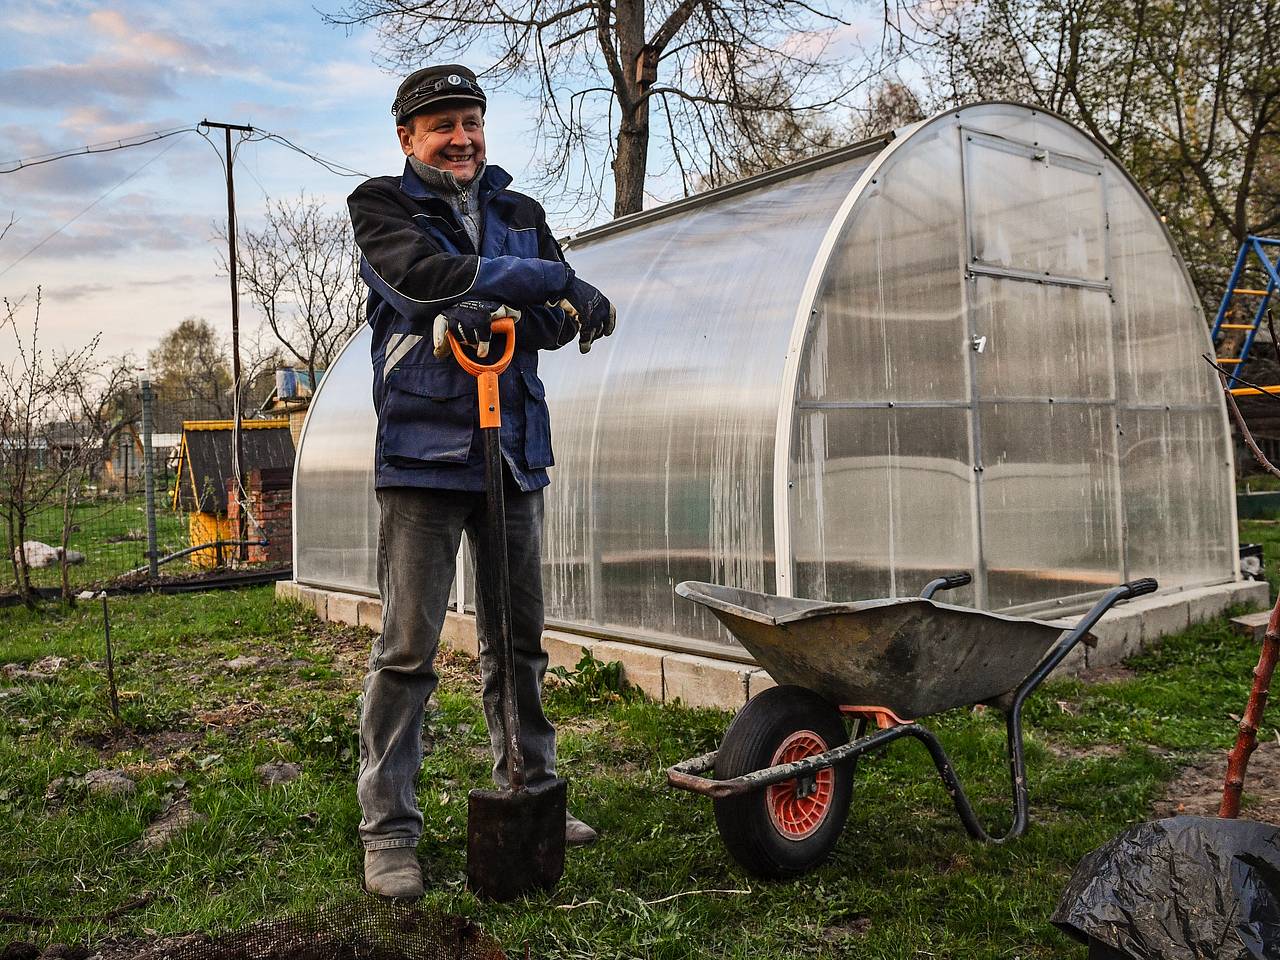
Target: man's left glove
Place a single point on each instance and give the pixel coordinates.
(590, 309)
(471, 322)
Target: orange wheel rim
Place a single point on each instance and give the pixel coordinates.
(793, 816)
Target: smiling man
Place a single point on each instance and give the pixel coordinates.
(447, 247)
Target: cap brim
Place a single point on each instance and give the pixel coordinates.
(436, 101)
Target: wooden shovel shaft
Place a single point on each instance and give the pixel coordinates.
(1247, 738)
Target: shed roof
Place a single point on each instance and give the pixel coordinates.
(205, 460)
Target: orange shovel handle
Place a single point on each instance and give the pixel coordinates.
(486, 374)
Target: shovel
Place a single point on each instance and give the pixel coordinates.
(515, 837)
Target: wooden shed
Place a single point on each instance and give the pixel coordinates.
(205, 466)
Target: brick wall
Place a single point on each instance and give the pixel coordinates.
(270, 495)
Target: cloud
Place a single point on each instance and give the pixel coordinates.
(71, 85)
(181, 52)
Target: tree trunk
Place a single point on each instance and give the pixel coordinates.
(629, 165)
(1247, 738)
(632, 143)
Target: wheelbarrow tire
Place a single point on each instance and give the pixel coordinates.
(775, 833)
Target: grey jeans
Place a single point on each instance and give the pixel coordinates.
(418, 537)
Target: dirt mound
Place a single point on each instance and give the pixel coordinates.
(1197, 789)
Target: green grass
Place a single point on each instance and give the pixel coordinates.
(905, 881)
(98, 522)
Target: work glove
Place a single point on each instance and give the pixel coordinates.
(471, 322)
(590, 310)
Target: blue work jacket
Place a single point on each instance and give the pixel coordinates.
(417, 259)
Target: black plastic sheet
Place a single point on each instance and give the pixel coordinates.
(1185, 888)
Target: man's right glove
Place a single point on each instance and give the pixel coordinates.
(590, 309)
(470, 321)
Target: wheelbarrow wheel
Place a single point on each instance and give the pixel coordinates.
(789, 828)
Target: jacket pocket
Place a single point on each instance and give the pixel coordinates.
(428, 415)
(537, 424)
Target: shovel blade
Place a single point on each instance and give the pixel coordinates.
(515, 840)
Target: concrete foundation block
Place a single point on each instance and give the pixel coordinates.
(1205, 603)
(1076, 661)
(641, 666)
(1119, 635)
(704, 682)
(370, 614)
(565, 649)
(459, 633)
(343, 608)
(317, 600)
(286, 590)
(1251, 593)
(1162, 619)
(758, 681)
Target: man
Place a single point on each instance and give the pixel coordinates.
(446, 247)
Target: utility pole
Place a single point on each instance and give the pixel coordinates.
(236, 452)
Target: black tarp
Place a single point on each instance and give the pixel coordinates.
(1186, 888)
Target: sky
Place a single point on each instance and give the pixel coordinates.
(123, 244)
(144, 257)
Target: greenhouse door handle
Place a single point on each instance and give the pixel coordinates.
(978, 343)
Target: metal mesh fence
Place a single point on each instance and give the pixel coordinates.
(96, 515)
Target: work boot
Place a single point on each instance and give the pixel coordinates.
(577, 833)
(393, 873)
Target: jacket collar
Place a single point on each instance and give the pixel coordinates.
(492, 181)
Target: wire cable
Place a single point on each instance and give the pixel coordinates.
(102, 197)
(107, 146)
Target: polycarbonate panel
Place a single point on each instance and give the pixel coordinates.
(1160, 331)
(335, 514)
(1177, 518)
(1042, 340)
(882, 501)
(664, 433)
(1049, 501)
(906, 456)
(1035, 210)
(889, 317)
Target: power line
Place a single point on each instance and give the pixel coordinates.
(107, 146)
(102, 197)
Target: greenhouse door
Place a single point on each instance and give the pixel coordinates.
(1042, 374)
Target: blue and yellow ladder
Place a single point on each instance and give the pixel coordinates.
(1221, 325)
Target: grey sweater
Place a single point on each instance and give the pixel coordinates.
(464, 198)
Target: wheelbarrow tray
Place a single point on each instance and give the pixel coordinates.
(915, 656)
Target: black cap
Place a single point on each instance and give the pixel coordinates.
(433, 85)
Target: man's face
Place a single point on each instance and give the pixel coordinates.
(449, 138)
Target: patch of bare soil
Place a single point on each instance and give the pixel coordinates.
(1197, 789)
(158, 744)
(1068, 751)
(1113, 673)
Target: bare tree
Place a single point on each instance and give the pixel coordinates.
(302, 271)
(38, 392)
(1187, 94)
(191, 373)
(602, 67)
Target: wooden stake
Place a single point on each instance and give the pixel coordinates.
(111, 662)
(1247, 739)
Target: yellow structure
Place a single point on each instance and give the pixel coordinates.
(204, 467)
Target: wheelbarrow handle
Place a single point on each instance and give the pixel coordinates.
(486, 374)
(949, 582)
(1140, 588)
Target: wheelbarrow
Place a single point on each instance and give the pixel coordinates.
(783, 776)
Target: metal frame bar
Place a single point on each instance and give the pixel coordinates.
(1251, 244)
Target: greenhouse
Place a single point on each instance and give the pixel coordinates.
(968, 345)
